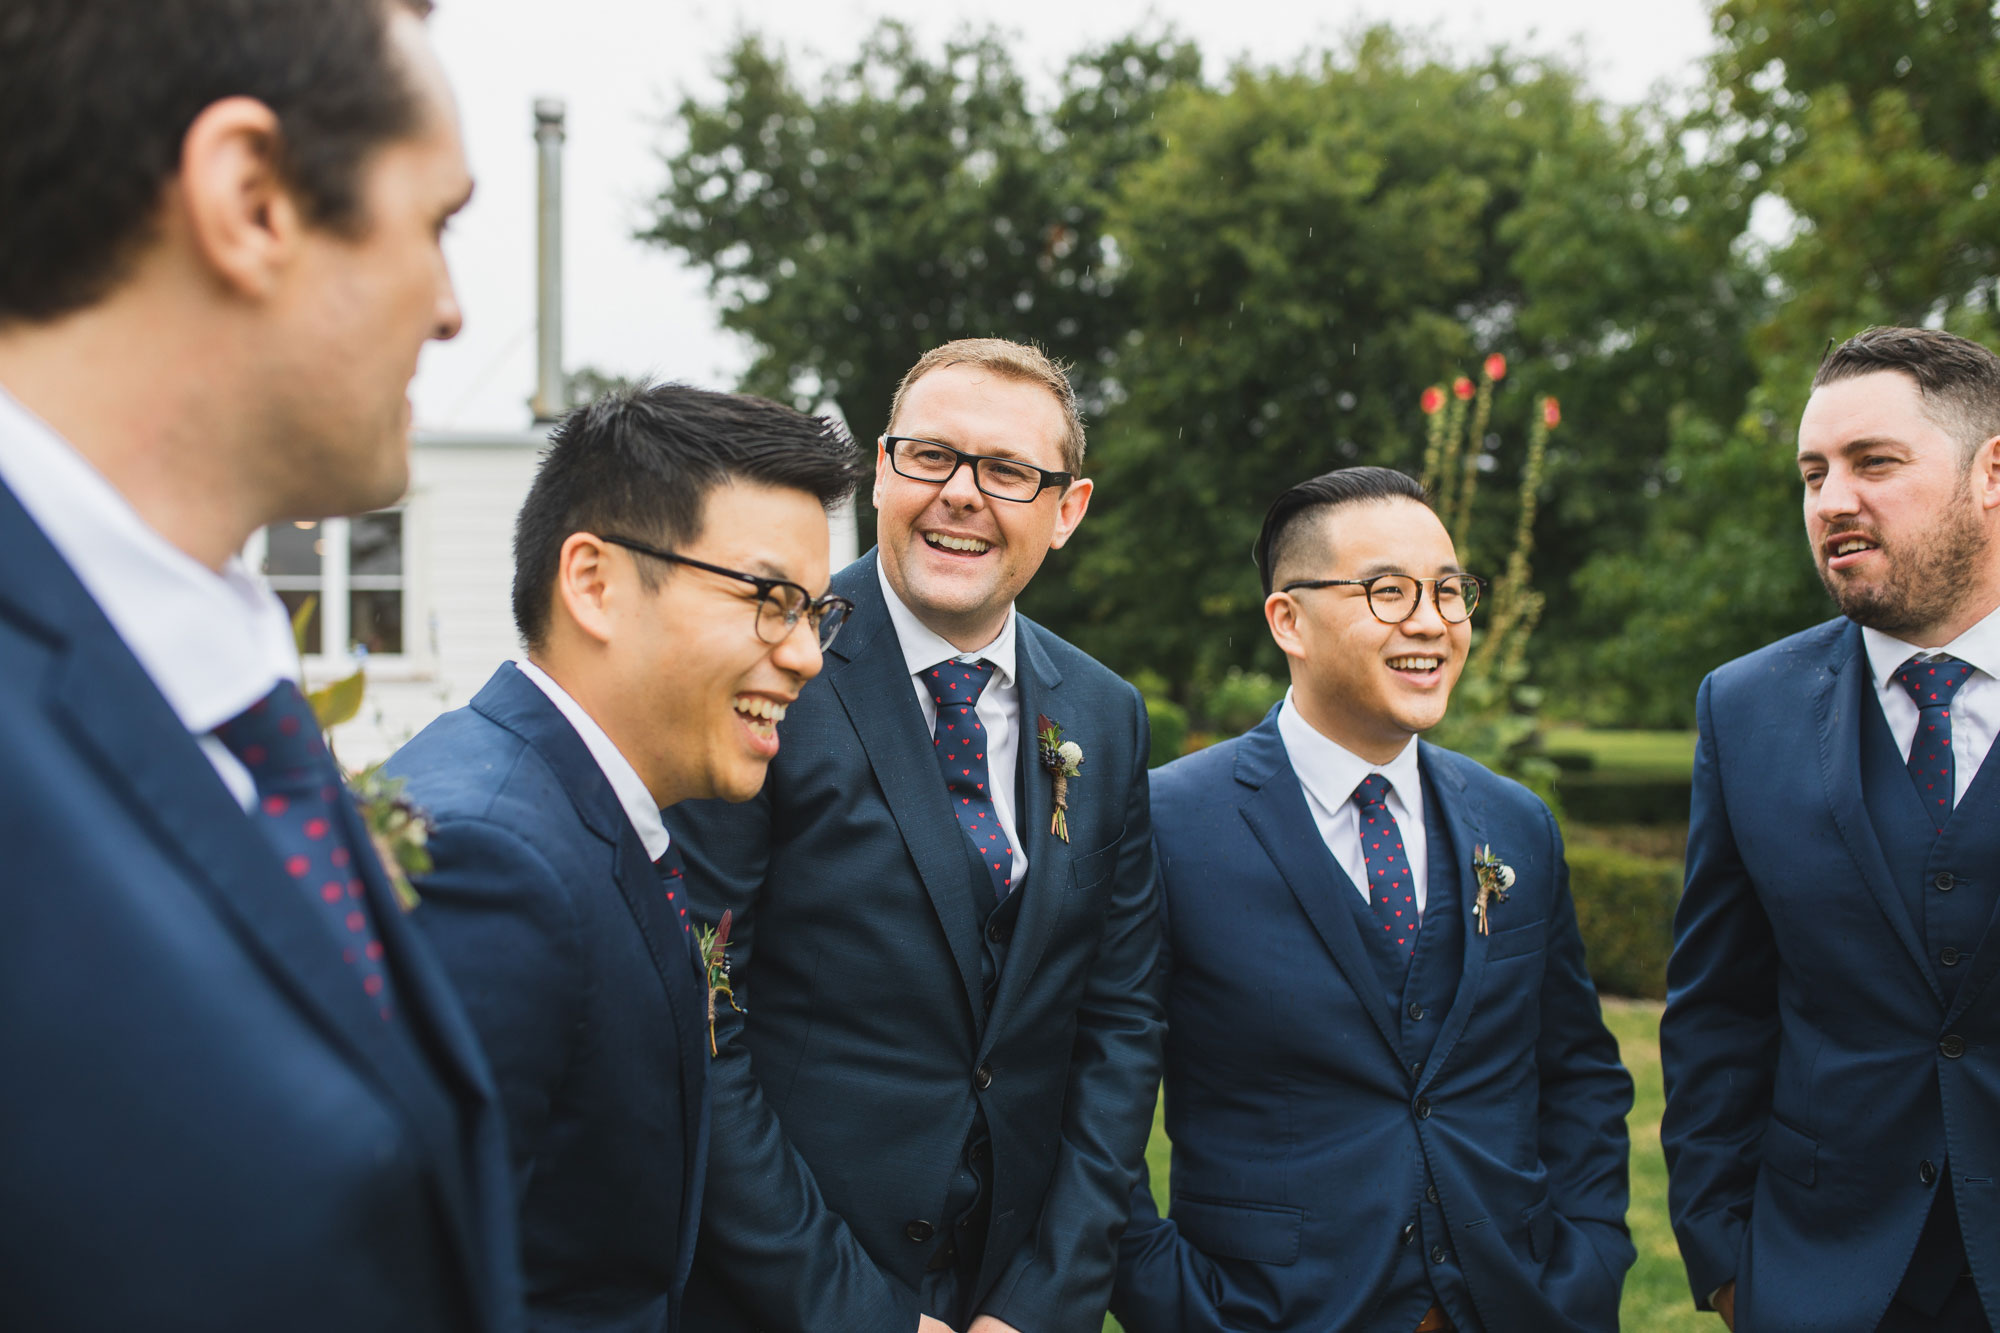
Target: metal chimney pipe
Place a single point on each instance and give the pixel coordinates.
(550, 401)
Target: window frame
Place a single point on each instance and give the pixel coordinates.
(337, 584)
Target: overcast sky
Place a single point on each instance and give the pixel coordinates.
(621, 65)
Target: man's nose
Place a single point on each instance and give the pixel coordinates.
(961, 490)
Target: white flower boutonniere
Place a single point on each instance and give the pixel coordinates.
(1495, 878)
(1063, 759)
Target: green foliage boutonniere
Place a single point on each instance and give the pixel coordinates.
(1495, 878)
(1062, 759)
(713, 941)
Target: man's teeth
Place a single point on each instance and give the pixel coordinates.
(970, 544)
(763, 710)
(1416, 663)
(1853, 544)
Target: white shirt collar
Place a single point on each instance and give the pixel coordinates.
(213, 643)
(1331, 771)
(924, 648)
(625, 781)
(1979, 646)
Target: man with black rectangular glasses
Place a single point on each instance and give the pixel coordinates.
(665, 568)
(943, 909)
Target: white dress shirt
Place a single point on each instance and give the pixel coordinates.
(999, 706)
(630, 788)
(213, 643)
(1975, 710)
(1330, 772)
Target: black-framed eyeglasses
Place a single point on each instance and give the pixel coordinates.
(780, 602)
(1001, 478)
(1394, 598)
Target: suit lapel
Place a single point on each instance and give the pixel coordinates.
(1838, 698)
(1050, 880)
(1466, 831)
(1276, 811)
(869, 678)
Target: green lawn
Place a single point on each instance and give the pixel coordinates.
(1661, 754)
(1656, 1293)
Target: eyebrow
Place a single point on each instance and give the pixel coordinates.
(1380, 567)
(1857, 446)
(1007, 452)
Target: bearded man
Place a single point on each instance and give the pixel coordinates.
(1831, 1047)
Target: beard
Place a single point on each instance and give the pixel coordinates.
(1929, 576)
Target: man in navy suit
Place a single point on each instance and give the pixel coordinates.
(669, 565)
(1830, 1043)
(939, 1094)
(236, 1092)
(1392, 1099)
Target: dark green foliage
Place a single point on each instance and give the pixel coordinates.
(1625, 912)
(1167, 720)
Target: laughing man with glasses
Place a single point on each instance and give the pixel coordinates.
(1404, 1113)
(666, 555)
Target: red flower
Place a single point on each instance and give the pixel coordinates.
(1551, 412)
(1496, 367)
(1462, 387)
(1433, 400)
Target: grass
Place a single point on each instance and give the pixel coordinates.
(1648, 754)
(1656, 1291)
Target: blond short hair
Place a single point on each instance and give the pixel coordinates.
(1009, 360)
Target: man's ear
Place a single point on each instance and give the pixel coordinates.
(1070, 511)
(1985, 475)
(584, 592)
(881, 470)
(241, 217)
(1281, 613)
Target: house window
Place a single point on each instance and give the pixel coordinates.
(352, 568)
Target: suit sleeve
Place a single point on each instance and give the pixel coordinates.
(1164, 1284)
(1060, 1280)
(1585, 1097)
(766, 1231)
(503, 924)
(1719, 1034)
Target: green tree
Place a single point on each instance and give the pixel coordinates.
(904, 199)
(1876, 125)
(1316, 244)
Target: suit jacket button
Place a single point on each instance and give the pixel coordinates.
(1437, 1254)
(1952, 1046)
(1416, 1010)
(1927, 1173)
(1423, 1108)
(1409, 1233)
(997, 932)
(1431, 1194)
(919, 1231)
(1945, 882)
(1949, 957)
(982, 1078)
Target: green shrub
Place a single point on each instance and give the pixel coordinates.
(1598, 798)
(1240, 699)
(1168, 720)
(1625, 911)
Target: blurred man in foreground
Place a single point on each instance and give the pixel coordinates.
(238, 1093)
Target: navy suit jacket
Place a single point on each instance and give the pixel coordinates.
(1804, 1036)
(204, 1123)
(844, 1099)
(581, 977)
(1291, 1112)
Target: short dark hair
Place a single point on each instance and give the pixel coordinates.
(1289, 516)
(641, 463)
(96, 97)
(1957, 379)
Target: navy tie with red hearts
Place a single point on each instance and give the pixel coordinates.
(1932, 684)
(1392, 890)
(673, 878)
(298, 794)
(960, 741)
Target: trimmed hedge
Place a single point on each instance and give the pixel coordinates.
(1625, 912)
(1597, 798)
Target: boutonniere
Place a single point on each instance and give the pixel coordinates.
(714, 944)
(398, 827)
(1062, 759)
(1495, 878)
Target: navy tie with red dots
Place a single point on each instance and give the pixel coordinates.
(960, 741)
(1932, 684)
(1392, 890)
(298, 794)
(673, 879)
